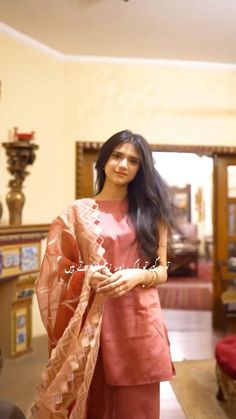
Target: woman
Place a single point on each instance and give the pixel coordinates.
(97, 293)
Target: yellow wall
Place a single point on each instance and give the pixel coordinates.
(165, 103)
(32, 99)
(65, 101)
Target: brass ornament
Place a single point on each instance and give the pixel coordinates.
(20, 153)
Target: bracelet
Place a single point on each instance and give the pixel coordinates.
(155, 280)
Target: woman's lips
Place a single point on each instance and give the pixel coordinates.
(121, 173)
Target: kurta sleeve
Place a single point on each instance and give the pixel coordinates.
(59, 283)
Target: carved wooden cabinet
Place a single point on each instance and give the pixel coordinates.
(20, 256)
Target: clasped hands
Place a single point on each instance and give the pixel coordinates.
(116, 284)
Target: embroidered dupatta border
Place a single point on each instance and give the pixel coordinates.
(65, 382)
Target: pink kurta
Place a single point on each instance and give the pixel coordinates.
(134, 343)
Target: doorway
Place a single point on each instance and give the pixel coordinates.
(190, 178)
(86, 154)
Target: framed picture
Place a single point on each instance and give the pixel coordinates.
(181, 198)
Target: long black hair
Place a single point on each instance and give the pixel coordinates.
(149, 199)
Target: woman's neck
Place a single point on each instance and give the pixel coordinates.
(115, 193)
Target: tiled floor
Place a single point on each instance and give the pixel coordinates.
(191, 337)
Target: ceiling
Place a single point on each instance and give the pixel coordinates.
(193, 30)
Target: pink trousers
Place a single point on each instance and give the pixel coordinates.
(122, 402)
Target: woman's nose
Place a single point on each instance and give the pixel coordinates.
(123, 163)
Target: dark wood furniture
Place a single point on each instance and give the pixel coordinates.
(183, 250)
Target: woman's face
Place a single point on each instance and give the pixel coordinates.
(123, 164)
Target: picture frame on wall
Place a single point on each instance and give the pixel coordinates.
(181, 198)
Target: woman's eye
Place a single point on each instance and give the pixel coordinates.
(130, 160)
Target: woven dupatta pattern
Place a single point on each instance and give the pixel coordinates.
(65, 383)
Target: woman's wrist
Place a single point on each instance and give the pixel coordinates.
(154, 277)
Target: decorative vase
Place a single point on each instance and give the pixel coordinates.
(20, 153)
(15, 199)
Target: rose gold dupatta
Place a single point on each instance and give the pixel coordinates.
(70, 311)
